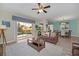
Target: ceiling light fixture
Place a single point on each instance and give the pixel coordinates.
(40, 10)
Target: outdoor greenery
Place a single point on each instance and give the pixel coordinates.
(22, 29)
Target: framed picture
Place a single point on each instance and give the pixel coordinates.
(6, 23)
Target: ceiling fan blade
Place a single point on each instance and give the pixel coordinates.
(47, 7)
(45, 11)
(39, 4)
(38, 12)
(35, 9)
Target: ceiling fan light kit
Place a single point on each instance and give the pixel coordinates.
(41, 8)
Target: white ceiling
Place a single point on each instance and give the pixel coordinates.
(55, 12)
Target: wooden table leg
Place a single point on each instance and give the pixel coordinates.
(2, 34)
(4, 38)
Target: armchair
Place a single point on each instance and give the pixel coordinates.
(38, 44)
(75, 49)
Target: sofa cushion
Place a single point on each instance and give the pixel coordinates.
(46, 34)
(53, 34)
(30, 40)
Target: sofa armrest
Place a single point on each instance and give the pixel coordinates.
(75, 43)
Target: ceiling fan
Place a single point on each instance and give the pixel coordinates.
(41, 8)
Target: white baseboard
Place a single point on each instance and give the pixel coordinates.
(11, 42)
(75, 35)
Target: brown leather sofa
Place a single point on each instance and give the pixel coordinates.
(52, 39)
(75, 49)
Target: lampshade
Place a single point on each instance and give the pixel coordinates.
(3, 27)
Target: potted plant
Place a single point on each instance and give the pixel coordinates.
(38, 28)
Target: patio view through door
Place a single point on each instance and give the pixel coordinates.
(24, 30)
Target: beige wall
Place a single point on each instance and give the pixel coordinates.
(10, 32)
